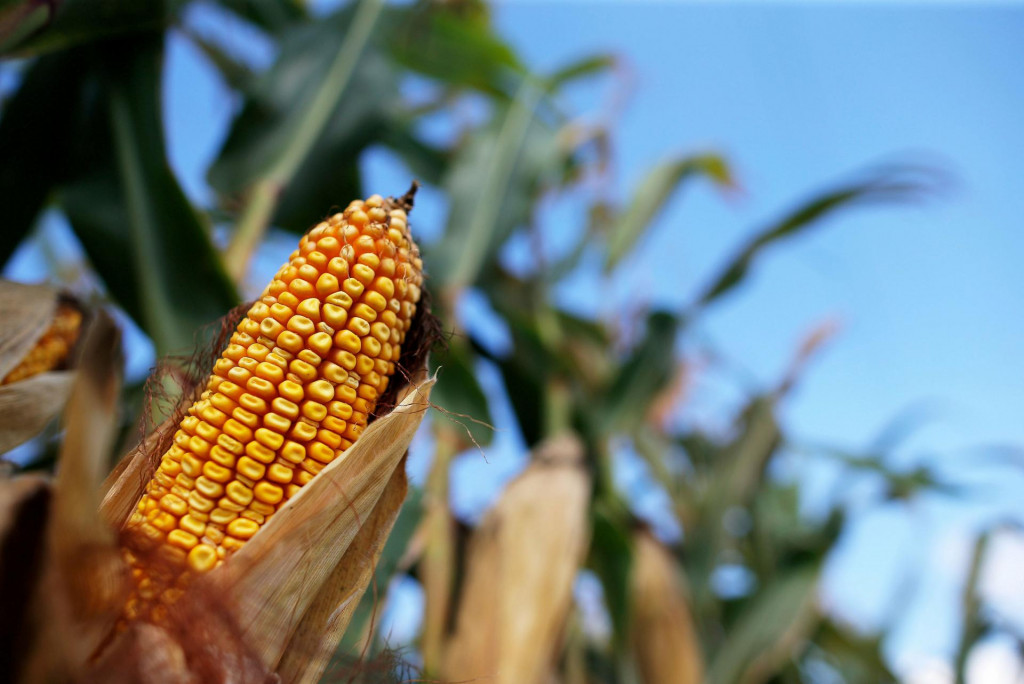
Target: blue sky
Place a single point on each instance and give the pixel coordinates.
(799, 96)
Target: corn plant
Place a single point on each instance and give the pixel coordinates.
(499, 602)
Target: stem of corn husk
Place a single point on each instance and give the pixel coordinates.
(522, 562)
(664, 640)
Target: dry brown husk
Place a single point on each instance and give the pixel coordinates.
(282, 602)
(664, 639)
(520, 569)
(75, 591)
(28, 405)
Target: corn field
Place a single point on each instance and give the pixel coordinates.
(239, 514)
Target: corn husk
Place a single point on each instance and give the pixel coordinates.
(80, 583)
(664, 639)
(280, 573)
(319, 632)
(521, 565)
(28, 405)
(26, 311)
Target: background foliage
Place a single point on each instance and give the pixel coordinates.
(372, 75)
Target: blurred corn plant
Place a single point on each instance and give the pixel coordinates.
(499, 595)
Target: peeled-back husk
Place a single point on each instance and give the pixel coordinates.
(281, 573)
(522, 562)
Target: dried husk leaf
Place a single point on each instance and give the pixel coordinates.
(125, 485)
(664, 640)
(28, 405)
(24, 505)
(521, 565)
(274, 579)
(26, 311)
(82, 580)
(319, 632)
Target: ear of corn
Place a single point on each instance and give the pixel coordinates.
(38, 334)
(53, 348)
(664, 638)
(520, 568)
(294, 389)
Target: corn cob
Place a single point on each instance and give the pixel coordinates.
(291, 392)
(53, 348)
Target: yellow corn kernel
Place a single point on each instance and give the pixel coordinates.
(291, 392)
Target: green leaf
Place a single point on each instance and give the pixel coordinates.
(41, 115)
(858, 658)
(297, 100)
(740, 470)
(306, 122)
(235, 73)
(974, 625)
(771, 628)
(455, 47)
(20, 19)
(273, 16)
(584, 68)
(654, 192)
(85, 21)
(458, 395)
(144, 238)
(494, 179)
(611, 558)
(886, 185)
(646, 372)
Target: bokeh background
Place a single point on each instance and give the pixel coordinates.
(680, 132)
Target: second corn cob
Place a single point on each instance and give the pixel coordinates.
(293, 390)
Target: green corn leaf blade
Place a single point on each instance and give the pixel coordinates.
(20, 19)
(773, 626)
(858, 658)
(236, 74)
(611, 559)
(41, 115)
(974, 626)
(654, 192)
(643, 375)
(741, 470)
(494, 179)
(78, 22)
(138, 228)
(458, 395)
(455, 46)
(583, 68)
(273, 16)
(525, 373)
(289, 109)
(886, 185)
(354, 107)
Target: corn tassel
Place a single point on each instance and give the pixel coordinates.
(291, 393)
